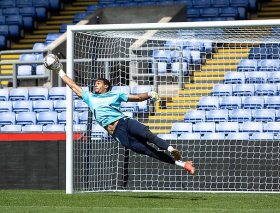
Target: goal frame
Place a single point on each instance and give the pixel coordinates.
(127, 27)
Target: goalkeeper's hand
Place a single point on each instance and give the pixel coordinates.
(154, 96)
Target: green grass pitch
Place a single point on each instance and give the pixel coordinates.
(122, 202)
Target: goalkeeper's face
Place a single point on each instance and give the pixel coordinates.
(100, 87)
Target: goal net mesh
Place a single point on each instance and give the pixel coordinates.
(218, 90)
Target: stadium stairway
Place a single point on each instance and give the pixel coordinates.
(269, 10)
(173, 109)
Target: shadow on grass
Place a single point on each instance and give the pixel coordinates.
(160, 197)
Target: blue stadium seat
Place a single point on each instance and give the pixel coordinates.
(208, 46)
(14, 20)
(251, 127)
(57, 93)
(161, 67)
(240, 115)
(14, 31)
(266, 89)
(3, 42)
(234, 78)
(60, 105)
(11, 128)
(63, 27)
(197, 19)
(264, 115)
(208, 103)
(194, 116)
(239, 3)
(143, 106)
(39, 94)
(10, 11)
(32, 128)
(26, 118)
(195, 57)
(217, 115)
(80, 106)
(214, 136)
(179, 128)
(7, 118)
(209, 12)
(81, 16)
(55, 4)
(260, 53)
(54, 128)
(272, 102)
(129, 114)
(189, 136)
(24, 70)
(45, 118)
(175, 43)
(220, 3)
(136, 90)
(6, 106)
(186, 54)
(273, 77)
(98, 131)
(130, 4)
(4, 30)
(22, 106)
(79, 127)
(188, 3)
(255, 77)
(167, 2)
(272, 127)
(1, 11)
(40, 46)
(222, 90)
(28, 12)
(3, 21)
(19, 94)
(227, 127)
(93, 7)
(253, 102)
(203, 127)
(193, 12)
(62, 118)
(175, 68)
(52, 37)
(162, 55)
(247, 65)
(147, 3)
(269, 65)
(128, 107)
(221, 19)
(83, 117)
(7, 3)
(43, 106)
(277, 116)
(4, 94)
(262, 136)
(274, 53)
(24, 3)
(230, 102)
(238, 136)
(243, 90)
(166, 136)
(229, 12)
(121, 88)
(41, 3)
(194, 45)
(202, 3)
(112, 5)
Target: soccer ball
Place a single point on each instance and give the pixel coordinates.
(51, 62)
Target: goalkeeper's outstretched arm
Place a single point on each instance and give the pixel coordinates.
(144, 96)
(76, 89)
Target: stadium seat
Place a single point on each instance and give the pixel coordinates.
(39, 94)
(175, 68)
(243, 90)
(161, 67)
(121, 88)
(275, 53)
(43, 106)
(14, 31)
(231, 102)
(143, 106)
(131, 4)
(229, 12)
(3, 42)
(22, 106)
(10, 11)
(40, 46)
(239, 3)
(247, 65)
(174, 43)
(197, 19)
(17, 94)
(6, 106)
(195, 57)
(129, 114)
(45, 118)
(32, 128)
(55, 4)
(52, 36)
(54, 128)
(60, 105)
(189, 136)
(136, 90)
(24, 3)
(148, 3)
(83, 117)
(203, 127)
(62, 118)
(79, 127)
(202, 3)
(266, 89)
(222, 90)
(2, 22)
(227, 127)
(81, 16)
(255, 77)
(176, 55)
(80, 106)
(98, 131)
(112, 5)
(166, 136)
(272, 127)
(238, 136)
(240, 115)
(260, 53)
(221, 19)
(4, 94)
(162, 55)
(193, 116)
(167, 2)
(14, 20)
(264, 115)
(272, 102)
(179, 128)
(214, 136)
(41, 3)
(269, 65)
(24, 70)
(93, 7)
(189, 3)
(253, 102)
(4, 30)
(217, 115)
(251, 127)
(7, 4)
(128, 107)
(26, 118)
(262, 136)
(194, 45)
(11, 128)
(208, 103)
(234, 78)
(63, 27)
(7, 118)
(57, 93)
(273, 77)
(220, 3)
(193, 12)
(209, 12)
(28, 12)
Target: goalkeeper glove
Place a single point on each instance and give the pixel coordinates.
(154, 96)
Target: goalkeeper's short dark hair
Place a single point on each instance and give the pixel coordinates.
(106, 82)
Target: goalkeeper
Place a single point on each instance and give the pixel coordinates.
(130, 133)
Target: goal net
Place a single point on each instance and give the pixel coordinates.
(219, 90)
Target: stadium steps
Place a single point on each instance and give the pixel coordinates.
(7, 69)
(270, 10)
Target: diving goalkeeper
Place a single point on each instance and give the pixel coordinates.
(130, 133)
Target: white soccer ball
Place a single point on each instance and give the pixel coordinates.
(51, 62)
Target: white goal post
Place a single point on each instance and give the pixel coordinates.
(123, 53)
